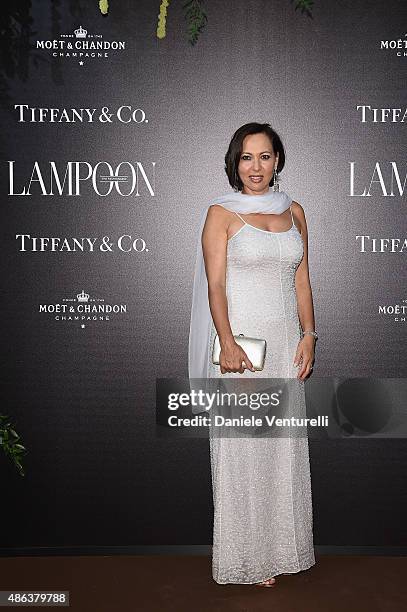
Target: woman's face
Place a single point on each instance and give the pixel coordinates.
(256, 164)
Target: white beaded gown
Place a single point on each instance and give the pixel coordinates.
(262, 486)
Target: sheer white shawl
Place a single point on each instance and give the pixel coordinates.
(273, 202)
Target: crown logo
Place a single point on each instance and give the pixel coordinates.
(80, 32)
(82, 297)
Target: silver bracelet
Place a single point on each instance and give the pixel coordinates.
(310, 332)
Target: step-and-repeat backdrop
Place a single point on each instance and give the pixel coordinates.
(116, 117)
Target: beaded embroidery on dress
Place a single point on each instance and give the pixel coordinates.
(262, 487)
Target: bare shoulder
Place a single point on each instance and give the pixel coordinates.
(299, 214)
(298, 210)
(217, 211)
(218, 216)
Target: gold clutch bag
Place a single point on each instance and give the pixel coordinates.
(255, 349)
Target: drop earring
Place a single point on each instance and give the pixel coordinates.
(276, 186)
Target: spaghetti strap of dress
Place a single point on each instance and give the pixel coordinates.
(240, 217)
(292, 218)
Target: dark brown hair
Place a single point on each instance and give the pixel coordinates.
(234, 151)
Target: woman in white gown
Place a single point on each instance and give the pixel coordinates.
(258, 284)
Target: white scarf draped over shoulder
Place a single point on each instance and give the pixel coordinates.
(273, 202)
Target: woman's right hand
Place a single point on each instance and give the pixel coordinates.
(231, 357)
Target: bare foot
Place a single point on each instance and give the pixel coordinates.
(267, 583)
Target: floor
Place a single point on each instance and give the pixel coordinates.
(184, 584)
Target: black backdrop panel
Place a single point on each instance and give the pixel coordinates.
(82, 392)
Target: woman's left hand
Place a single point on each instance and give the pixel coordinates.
(304, 357)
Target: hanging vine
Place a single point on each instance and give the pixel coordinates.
(104, 6)
(195, 16)
(305, 6)
(162, 19)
